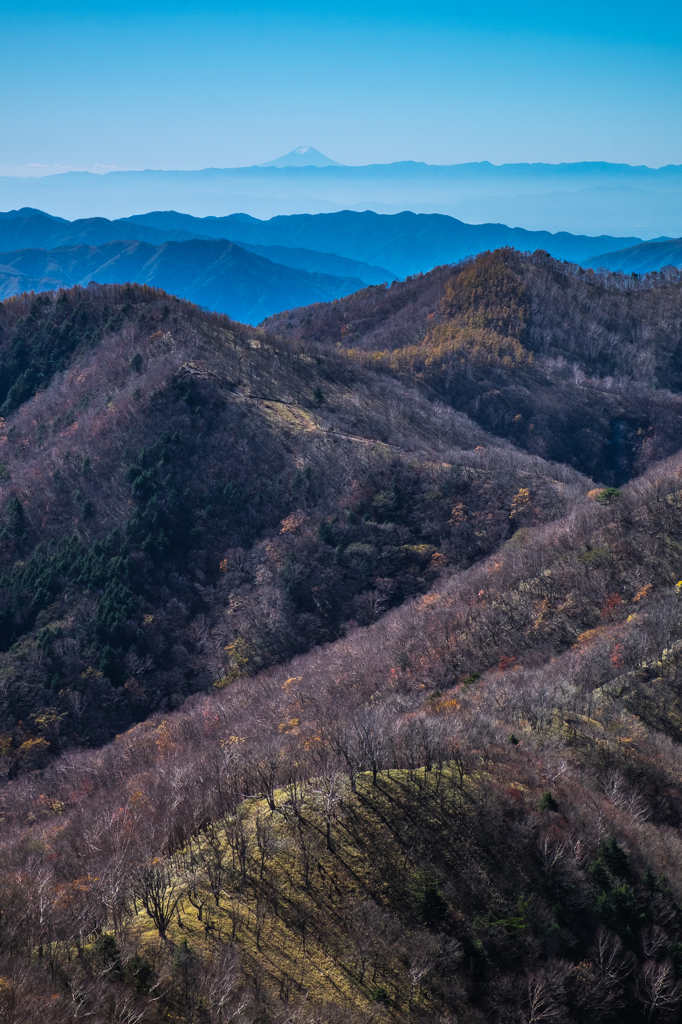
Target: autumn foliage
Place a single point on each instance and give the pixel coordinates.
(340, 710)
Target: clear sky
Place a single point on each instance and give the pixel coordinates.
(180, 85)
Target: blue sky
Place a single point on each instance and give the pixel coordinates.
(180, 85)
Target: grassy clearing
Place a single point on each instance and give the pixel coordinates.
(310, 922)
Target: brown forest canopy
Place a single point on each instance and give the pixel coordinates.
(179, 484)
(433, 773)
(575, 366)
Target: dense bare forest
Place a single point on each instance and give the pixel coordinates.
(325, 696)
(576, 366)
(186, 499)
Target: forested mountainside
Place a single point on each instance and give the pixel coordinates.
(396, 701)
(183, 498)
(217, 274)
(466, 812)
(575, 366)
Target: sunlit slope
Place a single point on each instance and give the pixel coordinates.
(184, 499)
(336, 835)
(570, 365)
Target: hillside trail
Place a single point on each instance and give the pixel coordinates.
(294, 415)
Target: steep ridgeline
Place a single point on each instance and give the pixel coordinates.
(575, 366)
(216, 274)
(184, 500)
(467, 812)
(461, 808)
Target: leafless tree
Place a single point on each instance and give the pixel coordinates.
(658, 991)
(160, 893)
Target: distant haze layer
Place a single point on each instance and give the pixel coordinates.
(583, 198)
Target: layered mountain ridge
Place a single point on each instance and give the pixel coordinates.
(217, 274)
(328, 255)
(408, 242)
(390, 587)
(589, 197)
(641, 259)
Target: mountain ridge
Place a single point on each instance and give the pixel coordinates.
(415, 243)
(642, 258)
(217, 274)
(393, 706)
(24, 229)
(541, 352)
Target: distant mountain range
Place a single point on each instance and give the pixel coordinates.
(29, 228)
(216, 274)
(409, 243)
(642, 258)
(33, 229)
(590, 198)
(279, 264)
(347, 243)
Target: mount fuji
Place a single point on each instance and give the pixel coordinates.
(304, 156)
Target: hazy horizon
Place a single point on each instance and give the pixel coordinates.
(148, 85)
(42, 171)
(589, 198)
(223, 89)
